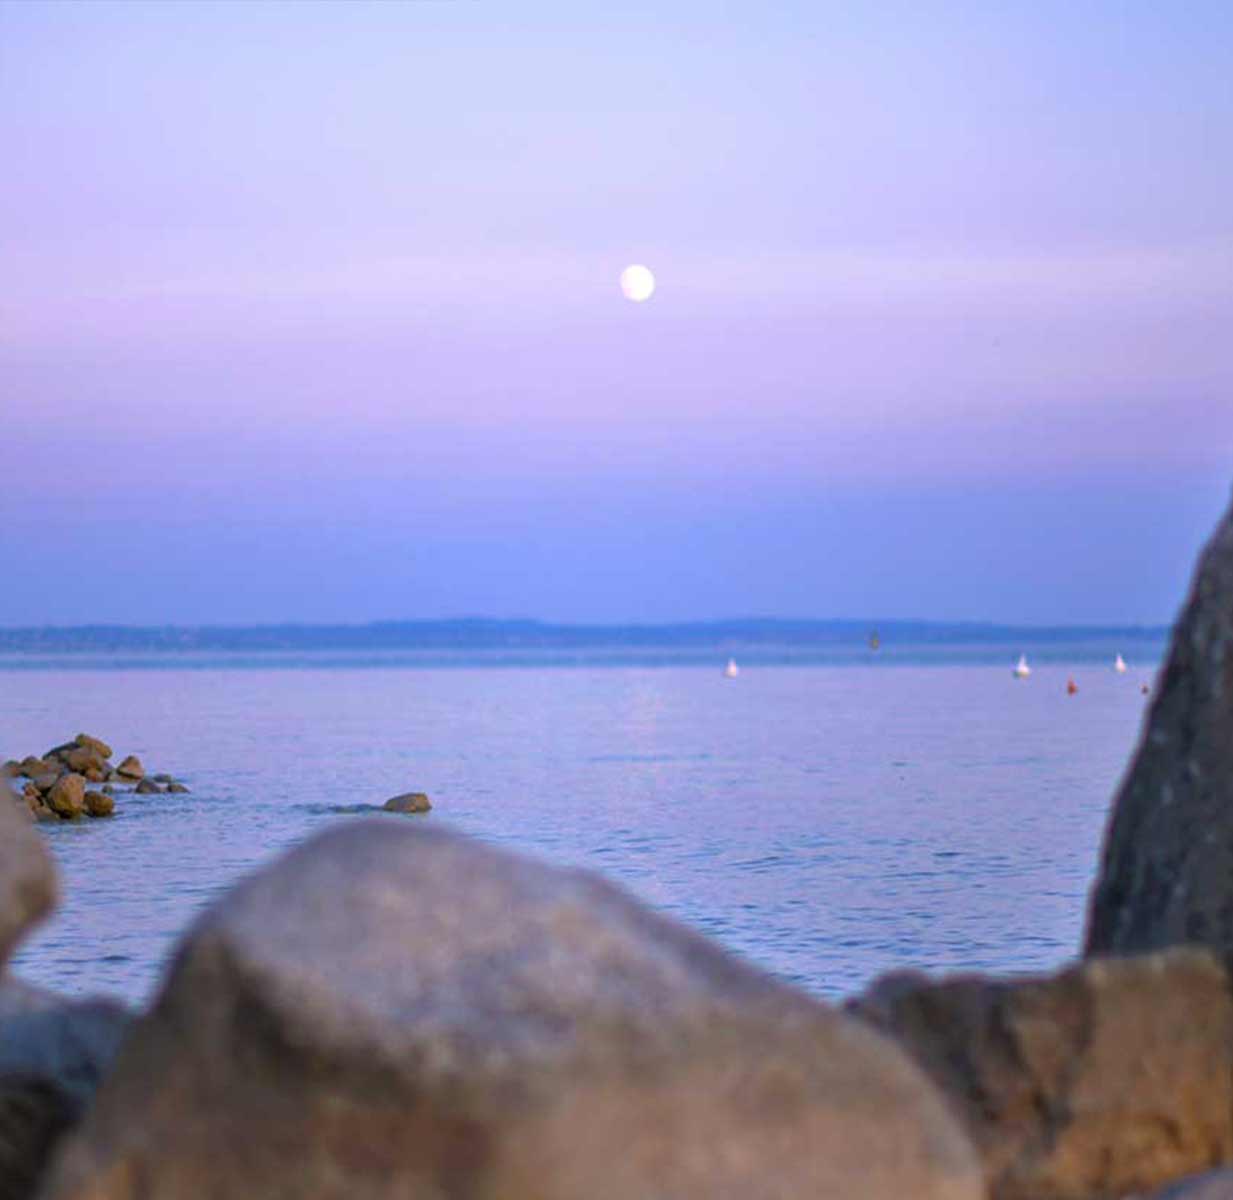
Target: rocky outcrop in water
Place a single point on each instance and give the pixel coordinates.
(54, 784)
(409, 802)
(1109, 1078)
(403, 1012)
(1166, 872)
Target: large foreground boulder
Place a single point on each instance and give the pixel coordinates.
(27, 879)
(402, 1012)
(1166, 872)
(53, 1052)
(1112, 1077)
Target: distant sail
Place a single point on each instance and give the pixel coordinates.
(1119, 665)
(1022, 670)
(731, 671)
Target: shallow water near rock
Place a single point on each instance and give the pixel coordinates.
(828, 823)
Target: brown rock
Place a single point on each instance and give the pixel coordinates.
(11, 769)
(130, 768)
(32, 767)
(98, 804)
(1111, 1077)
(27, 879)
(409, 802)
(177, 787)
(1166, 871)
(46, 781)
(101, 748)
(81, 759)
(147, 787)
(530, 1032)
(68, 796)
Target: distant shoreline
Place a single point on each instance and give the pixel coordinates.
(533, 643)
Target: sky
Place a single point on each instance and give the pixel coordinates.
(310, 311)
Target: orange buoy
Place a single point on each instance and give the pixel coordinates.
(1071, 687)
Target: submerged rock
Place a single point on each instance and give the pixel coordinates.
(1111, 1077)
(397, 1011)
(1166, 871)
(409, 802)
(147, 787)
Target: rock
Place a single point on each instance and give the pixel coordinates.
(98, 804)
(46, 781)
(108, 790)
(397, 1011)
(101, 748)
(94, 775)
(68, 796)
(130, 768)
(11, 769)
(147, 787)
(1166, 871)
(62, 749)
(162, 777)
(409, 802)
(27, 878)
(81, 759)
(176, 787)
(53, 1053)
(32, 767)
(1110, 1077)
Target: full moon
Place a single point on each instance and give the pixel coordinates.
(637, 283)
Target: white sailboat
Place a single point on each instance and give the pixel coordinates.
(1119, 665)
(731, 671)
(1022, 670)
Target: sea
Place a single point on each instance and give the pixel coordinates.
(828, 821)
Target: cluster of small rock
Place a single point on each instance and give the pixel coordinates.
(393, 1011)
(55, 787)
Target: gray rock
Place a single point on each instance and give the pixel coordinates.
(176, 788)
(1166, 871)
(53, 1053)
(147, 787)
(1108, 1078)
(409, 802)
(1211, 1185)
(27, 878)
(397, 1011)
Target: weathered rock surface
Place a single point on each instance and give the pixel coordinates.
(409, 802)
(27, 878)
(1111, 1077)
(396, 1011)
(53, 1053)
(1166, 872)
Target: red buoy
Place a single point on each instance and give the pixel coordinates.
(1071, 687)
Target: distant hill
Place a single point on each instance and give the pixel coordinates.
(477, 634)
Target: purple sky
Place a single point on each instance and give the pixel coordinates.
(310, 311)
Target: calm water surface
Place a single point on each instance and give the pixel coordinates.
(828, 823)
